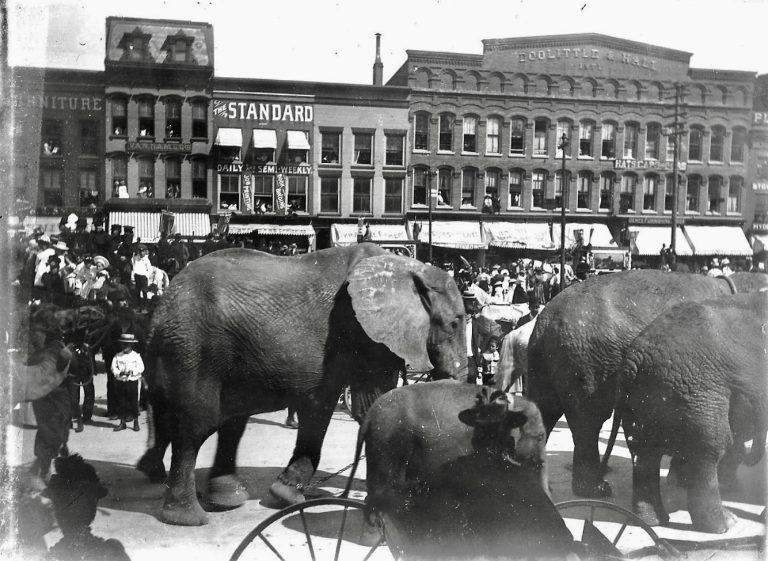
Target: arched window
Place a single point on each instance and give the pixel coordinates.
(715, 194)
(199, 179)
(586, 139)
(173, 118)
(563, 130)
(692, 193)
(420, 186)
(738, 141)
(538, 188)
(119, 106)
(447, 81)
(496, 83)
(199, 119)
(422, 79)
(493, 136)
(630, 141)
(469, 134)
(421, 131)
(444, 182)
(716, 143)
(471, 82)
(445, 132)
(492, 183)
(735, 190)
(146, 117)
(559, 188)
(515, 189)
(468, 188)
(517, 136)
(584, 190)
(147, 177)
(540, 134)
(608, 141)
(607, 180)
(652, 141)
(650, 185)
(627, 192)
(172, 178)
(695, 144)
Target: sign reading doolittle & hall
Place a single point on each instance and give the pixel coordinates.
(158, 147)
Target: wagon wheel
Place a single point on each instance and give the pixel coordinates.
(617, 522)
(314, 529)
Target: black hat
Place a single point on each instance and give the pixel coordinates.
(127, 229)
(114, 227)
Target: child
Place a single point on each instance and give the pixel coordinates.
(127, 368)
(490, 360)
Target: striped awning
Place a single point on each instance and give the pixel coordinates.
(346, 234)
(519, 235)
(718, 240)
(597, 234)
(273, 229)
(650, 239)
(196, 224)
(454, 234)
(146, 225)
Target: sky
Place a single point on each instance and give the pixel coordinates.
(334, 40)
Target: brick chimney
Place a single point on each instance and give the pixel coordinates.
(378, 67)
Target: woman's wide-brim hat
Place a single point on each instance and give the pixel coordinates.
(128, 338)
(100, 260)
(61, 246)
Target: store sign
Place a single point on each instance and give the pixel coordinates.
(588, 58)
(264, 112)
(271, 169)
(760, 186)
(759, 226)
(229, 168)
(760, 118)
(647, 164)
(159, 147)
(62, 102)
(281, 195)
(247, 193)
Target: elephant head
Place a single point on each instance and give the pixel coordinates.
(47, 371)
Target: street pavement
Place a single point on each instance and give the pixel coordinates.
(130, 513)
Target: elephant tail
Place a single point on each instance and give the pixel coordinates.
(358, 450)
(730, 283)
(758, 449)
(617, 414)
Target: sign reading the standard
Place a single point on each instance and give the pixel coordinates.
(264, 112)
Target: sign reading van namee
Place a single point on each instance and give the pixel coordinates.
(264, 112)
(159, 147)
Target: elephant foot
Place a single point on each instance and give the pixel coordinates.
(717, 522)
(650, 515)
(601, 489)
(225, 492)
(183, 513)
(151, 464)
(287, 494)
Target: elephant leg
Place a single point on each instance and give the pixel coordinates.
(646, 492)
(678, 472)
(587, 476)
(704, 503)
(314, 418)
(729, 465)
(161, 428)
(225, 491)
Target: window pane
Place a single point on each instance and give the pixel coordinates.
(445, 135)
(627, 193)
(630, 141)
(649, 192)
(515, 190)
(737, 145)
(538, 186)
(444, 187)
(393, 195)
(394, 156)
(606, 191)
(608, 143)
(297, 193)
(492, 144)
(420, 187)
(470, 134)
(540, 129)
(585, 139)
(716, 145)
(364, 149)
(468, 182)
(361, 195)
(692, 194)
(229, 192)
(714, 194)
(421, 132)
(652, 140)
(517, 138)
(583, 190)
(695, 144)
(331, 147)
(563, 129)
(734, 194)
(329, 194)
(89, 135)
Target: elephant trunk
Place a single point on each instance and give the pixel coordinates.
(758, 449)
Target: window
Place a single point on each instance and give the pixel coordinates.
(146, 118)
(180, 50)
(492, 144)
(89, 138)
(469, 138)
(89, 190)
(559, 189)
(738, 140)
(421, 132)
(263, 147)
(330, 147)
(297, 193)
(445, 133)
(692, 194)
(468, 185)
(515, 190)
(492, 183)
(649, 192)
(583, 190)
(297, 151)
(173, 119)
(395, 149)
(627, 193)
(444, 187)
(517, 136)
(563, 129)
(608, 141)
(51, 184)
(199, 179)
(630, 141)
(119, 117)
(671, 139)
(420, 186)
(716, 143)
(669, 194)
(393, 195)
(119, 174)
(606, 191)
(199, 119)
(735, 188)
(263, 193)
(540, 128)
(538, 187)
(715, 183)
(364, 149)
(147, 177)
(586, 134)
(329, 194)
(172, 178)
(51, 137)
(361, 195)
(652, 141)
(229, 192)
(695, 142)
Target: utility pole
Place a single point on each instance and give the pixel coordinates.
(563, 198)
(674, 137)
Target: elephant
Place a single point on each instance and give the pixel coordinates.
(240, 332)
(456, 474)
(513, 356)
(696, 388)
(579, 340)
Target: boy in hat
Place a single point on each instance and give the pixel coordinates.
(127, 367)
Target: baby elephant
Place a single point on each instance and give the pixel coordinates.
(697, 389)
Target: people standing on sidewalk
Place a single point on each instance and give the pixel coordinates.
(127, 367)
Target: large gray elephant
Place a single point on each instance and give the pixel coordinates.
(241, 332)
(697, 389)
(513, 357)
(38, 378)
(577, 346)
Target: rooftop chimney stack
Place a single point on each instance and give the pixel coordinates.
(378, 67)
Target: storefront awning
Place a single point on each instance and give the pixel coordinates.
(273, 229)
(597, 234)
(146, 225)
(346, 234)
(457, 235)
(759, 242)
(265, 138)
(518, 235)
(718, 240)
(650, 239)
(229, 137)
(297, 140)
(196, 224)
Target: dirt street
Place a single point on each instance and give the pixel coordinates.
(130, 511)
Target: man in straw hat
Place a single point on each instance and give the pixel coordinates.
(127, 367)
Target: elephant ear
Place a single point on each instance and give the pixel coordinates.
(390, 297)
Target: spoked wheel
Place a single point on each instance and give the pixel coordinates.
(609, 531)
(330, 528)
